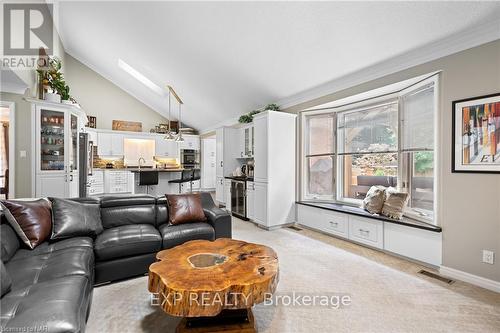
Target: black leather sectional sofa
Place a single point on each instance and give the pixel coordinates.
(52, 284)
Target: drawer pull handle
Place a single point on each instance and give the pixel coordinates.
(364, 231)
(334, 223)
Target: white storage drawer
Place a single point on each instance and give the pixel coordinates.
(328, 221)
(308, 216)
(336, 223)
(96, 178)
(366, 231)
(123, 188)
(118, 177)
(95, 190)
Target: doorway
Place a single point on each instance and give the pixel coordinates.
(7, 150)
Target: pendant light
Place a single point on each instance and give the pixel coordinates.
(179, 135)
(168, 136)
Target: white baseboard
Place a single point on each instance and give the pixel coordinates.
(470, 278)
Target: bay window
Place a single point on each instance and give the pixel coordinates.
(367, 148)
(385, 140)
(319, 149)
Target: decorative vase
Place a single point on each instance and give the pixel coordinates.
(53, 97)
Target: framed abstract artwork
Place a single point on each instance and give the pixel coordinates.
(476, 134)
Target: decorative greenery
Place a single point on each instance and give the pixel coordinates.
(248, 118)
(272, 107)
(54, 78)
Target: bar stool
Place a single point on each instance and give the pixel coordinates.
(148, 178)
(196, 176)
(186, 177)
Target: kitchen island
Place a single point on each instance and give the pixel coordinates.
(163, 187)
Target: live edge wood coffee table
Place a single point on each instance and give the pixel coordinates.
(214, 285)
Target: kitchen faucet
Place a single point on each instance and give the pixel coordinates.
(139, 162)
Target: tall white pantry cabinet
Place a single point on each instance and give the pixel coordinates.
(55, 148)
(274, 171)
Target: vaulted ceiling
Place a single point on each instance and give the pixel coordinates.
(228, 58)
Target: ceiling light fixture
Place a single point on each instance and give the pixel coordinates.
(169, 136)
(140, 77)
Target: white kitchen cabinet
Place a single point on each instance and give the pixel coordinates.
(274, 168)
(190, 142)
(261, 204)
(110, 144)
(226, 163)
(56, 149)
(95, 182)
(219, 153)
(166, 148)
(116, 181)
(245, 142)
(219, 190)
(52, 185)
(261, 148)
(208, 164)
(250, 200)
(227, 194)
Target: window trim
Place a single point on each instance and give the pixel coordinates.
(396, 96)
(304, 167)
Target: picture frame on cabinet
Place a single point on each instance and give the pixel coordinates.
(92, 122)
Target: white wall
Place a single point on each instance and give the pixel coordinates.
(104, 100)
(469, 204)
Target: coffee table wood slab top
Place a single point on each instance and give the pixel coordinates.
(202, 278)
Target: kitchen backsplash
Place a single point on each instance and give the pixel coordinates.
(100, 163)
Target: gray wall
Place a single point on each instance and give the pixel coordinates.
(22, 141)
(104, 100)
(469, 204)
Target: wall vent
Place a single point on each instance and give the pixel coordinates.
(436, 276)
(295, 228)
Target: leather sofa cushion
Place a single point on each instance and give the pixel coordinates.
(121, 210)
(185, 208)
(173, 235)
(31, 220)
(9, 242)
(73, 219)
(161, 210)
(56, 306)
(127, 240)
(49, 266)
(46, 247)
(5, 280)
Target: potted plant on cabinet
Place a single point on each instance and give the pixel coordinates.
(53, 79)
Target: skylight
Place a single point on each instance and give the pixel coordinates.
(138, 76)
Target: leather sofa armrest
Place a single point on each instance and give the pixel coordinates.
(218, 218)
(220, 221)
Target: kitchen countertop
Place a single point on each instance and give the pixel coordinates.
(243, 178)
(142, 169)
(151, 169)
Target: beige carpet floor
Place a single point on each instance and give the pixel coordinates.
(387, 293)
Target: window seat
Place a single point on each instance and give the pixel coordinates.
(408, 237)
(409, 222)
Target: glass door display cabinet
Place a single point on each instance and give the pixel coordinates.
(56, 149)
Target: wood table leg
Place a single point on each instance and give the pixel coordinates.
(228, 321)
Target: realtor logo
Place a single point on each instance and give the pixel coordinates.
(26, 28)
